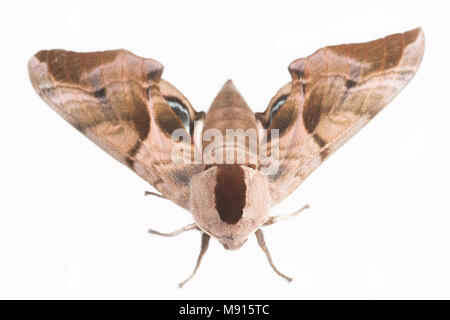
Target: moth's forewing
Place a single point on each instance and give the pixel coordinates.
(334, 93)
(118, 100)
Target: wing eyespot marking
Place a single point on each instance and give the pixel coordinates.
(101, 94)
(276, 106)
(180, 110)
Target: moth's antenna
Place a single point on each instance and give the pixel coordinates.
(150, 193)
(188, 227)
(274, 219)
(260, 237)
(204, 247)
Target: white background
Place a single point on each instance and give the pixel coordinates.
(73, 221)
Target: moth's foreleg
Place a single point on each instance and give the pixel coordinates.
(204, 247)
(274, 219)
(188, 227)
(150, 193)
(260, 237)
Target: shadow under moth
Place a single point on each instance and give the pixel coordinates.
(120, 102)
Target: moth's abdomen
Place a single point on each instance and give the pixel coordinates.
(229, 111)
(230, 202)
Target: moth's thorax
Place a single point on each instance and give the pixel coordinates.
(230, 202)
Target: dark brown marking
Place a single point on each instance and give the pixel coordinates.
(140, 118)
(320, 141)
(129, 162)
(154, 74)
(181, 176)
(93, 74)
(230, 192)
(56, 65)
(350, 84)
(74, 64)
(167, 119)
(79, 126)
(311, 116)
(411, 36)
(300, 73)
(274, 109)
(394, 50)
(101, 94)
(42, 55)
(324, 153)
(130, 157)
(297, 68)
(285, 118)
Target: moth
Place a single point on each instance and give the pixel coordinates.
(120, 102)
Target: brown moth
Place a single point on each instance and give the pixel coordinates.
(119, 101)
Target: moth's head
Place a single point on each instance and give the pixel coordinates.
(230, 202)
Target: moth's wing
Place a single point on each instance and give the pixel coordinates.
(119, 101)
(333, 93)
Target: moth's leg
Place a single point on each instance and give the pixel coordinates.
(150, 193)
(274, 219)
(191, 226)
(260, 237)
(204, 247)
